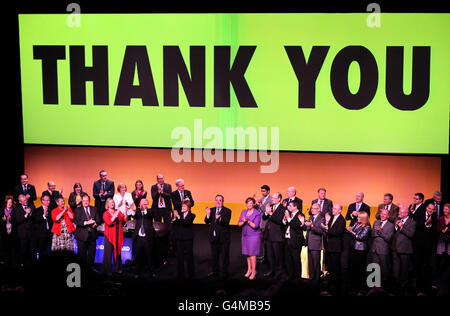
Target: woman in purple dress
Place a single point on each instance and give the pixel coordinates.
(249, 221)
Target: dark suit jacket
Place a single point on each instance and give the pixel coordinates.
(31, 190)
(420, 209)
(326, 208)
(275, 227)
(82, 231)
(393, 212)
(221, 226)
(53, 196)
(109, 188)
(147, 221)
(299, 200)
(425, 237)
(335, 234)
(441, 206)
(296, 232)
(176, 199)
(166, 195)
(402, 241)
(351, 208)
(22, 224)
(314, 234)
(39, 225)
(381, 240)
(182, 227)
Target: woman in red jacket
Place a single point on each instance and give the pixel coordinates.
(63, 227)
(113, 237)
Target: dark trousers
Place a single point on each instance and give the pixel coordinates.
(185, 254)
(87, 249)
(40, 245)
(143, 254)
(358, 266)
(10, 249)
(383, 261)
(334, 268)
(162, 215)
(314, 266)
(423, 267)
(220, 251)
(292, 259)
(275, 256)
(108, 256)
(400, 267)
(25, 252)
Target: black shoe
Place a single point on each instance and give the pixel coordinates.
(213, 274)
(269, 274)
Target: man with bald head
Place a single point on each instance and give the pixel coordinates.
(53, 194)
(161, 205)
(291, 196)
(356, 207)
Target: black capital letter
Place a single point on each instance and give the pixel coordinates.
(98, 74)
(223, 75)
(420, 88)
(49, 56)
(368, 77)
(174, 67)
(136, 58)
(307, 72)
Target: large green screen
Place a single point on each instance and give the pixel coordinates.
(328, 82)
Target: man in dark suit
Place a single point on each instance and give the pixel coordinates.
(424, 244)
(143, 238)
(294, 240)
(218, 219)
(53, 194)
(388, 205)
(274, 215)
(402, 247)
(102, 190)
(382, 233)
(180, 195)
(41, 236)
(314, 242)
(291, 196)
(21, 219)
(86, 219)
(334, 229)
(162, 205)
(417, 206)
(261, 207)
(326, 205)
(438, 203)
(26, 189)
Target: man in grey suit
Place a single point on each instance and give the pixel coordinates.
(402, 246)
(314, 241)
(261, 203)
(382, 233)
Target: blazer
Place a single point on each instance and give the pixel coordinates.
(147, 221)
(299, 200)
(165, 194)
(39, 223)
(182, 227)
(360, 237)
(441, 206)
(381, 240)
(110, 230)
(326, 208)
(176, 199)
(393, 212)
(262, 208)
(22, 224)
(351, 208)
(425, 236)
(296, 232)
(109, 188)
(275, 227)
(53, 196)
(221, 227)
(335, 234)
(56, 228)
(314, 233)
(73, 201)
(420, 209)
(31, 190)
(402, 240)
(82, 231)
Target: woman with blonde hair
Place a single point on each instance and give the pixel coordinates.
(360, 233)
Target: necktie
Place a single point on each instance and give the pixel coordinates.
(358, 206)
(437, 208)
(87, 213)
(103, 187)
(25, 189)
(182, 195)
(386, 207)
(46, 223)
